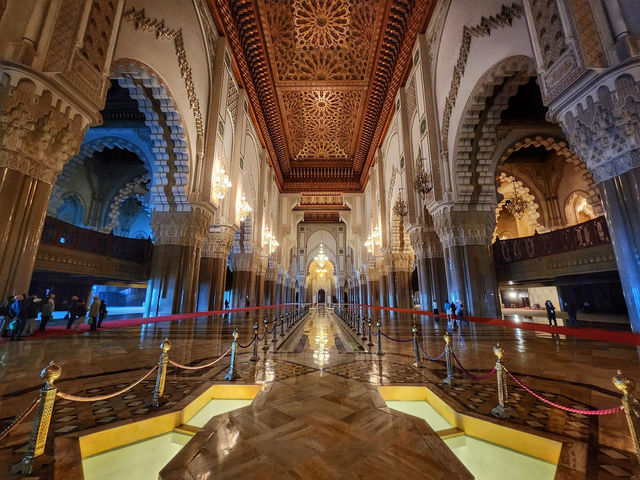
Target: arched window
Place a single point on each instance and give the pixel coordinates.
(71, 210)
(577, 208)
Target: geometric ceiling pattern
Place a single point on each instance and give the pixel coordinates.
(321, 76)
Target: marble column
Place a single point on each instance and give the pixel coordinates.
(173, 281)
(213, 269)
(384, 290)
(24, 201)
(430, 265)
(601, 121)
(621, 199)
(470, 271)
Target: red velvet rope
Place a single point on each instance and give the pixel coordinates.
(606, 411)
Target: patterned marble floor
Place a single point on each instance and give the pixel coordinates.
(570, 371)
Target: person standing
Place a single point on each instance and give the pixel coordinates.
(460, 311)
(6, 318)
(32, 309)
(572, 313)
(94, 311)
(71, 315)
(551, 313)
(80, 311)
(434, 306)
(47, 312)
(18, 314)
(102, 313)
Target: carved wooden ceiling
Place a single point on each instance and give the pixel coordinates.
(321, 76)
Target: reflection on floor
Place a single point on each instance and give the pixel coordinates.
(139, 461)
(571, 371)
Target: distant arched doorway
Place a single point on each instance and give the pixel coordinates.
(321, 295)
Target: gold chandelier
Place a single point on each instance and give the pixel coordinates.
(321, 258)
(244, 209)
(221, 184)
(516, 205)
(270, 241)
(422, 183)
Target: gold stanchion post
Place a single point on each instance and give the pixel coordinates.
(42, 418)
(631, 408)
(416, 347)
(502, 410)
(379, 352)
(158, 391)
(232, 375)
(447, 356)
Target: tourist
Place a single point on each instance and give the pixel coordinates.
(434, 306)
(226, 304)
(71, 314)
(47, 312)
(94, 311)
(572, 314)
(18, 315)
(551, 313)
(32, 309)
(102, 313)
(5, 319)
(79, 312)
(460, 311)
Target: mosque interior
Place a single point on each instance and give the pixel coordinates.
(332, 238)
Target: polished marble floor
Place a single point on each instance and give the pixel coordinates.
(571, 371)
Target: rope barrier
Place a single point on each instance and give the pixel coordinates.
(606, 411)
(468, 373)
(248, 344)
(75, 398)
(424, 352)
(185, 367)
(19, 418)
(395, 339)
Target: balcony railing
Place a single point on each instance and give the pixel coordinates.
(66, 235)
(584, 235)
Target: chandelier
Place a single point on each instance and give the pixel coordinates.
(400, 207)
(245, 209)
(270, 241)
(321, 258)
(373, 240)
(422, 182)
(516, 205)
(221, 184)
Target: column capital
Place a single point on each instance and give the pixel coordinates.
(468, 227)
(38, 132)
(425, 242)
(602, 124)
(180, 228)
(399, 262)
(218, 244)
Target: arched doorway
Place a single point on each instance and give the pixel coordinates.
(321, 295)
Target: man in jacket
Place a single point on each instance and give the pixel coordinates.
(94, 311)
(47, 312)
(18, 312)
(72, 311)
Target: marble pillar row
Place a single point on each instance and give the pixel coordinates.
(213, 269)
(470, 271)
(175, 265)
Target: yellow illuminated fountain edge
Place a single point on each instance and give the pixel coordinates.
(103, 440)
(539, 447)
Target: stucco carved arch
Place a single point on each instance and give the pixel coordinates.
(477, 135)
(561, 148)
(130, 188)
(168, 136)
(88, 150)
